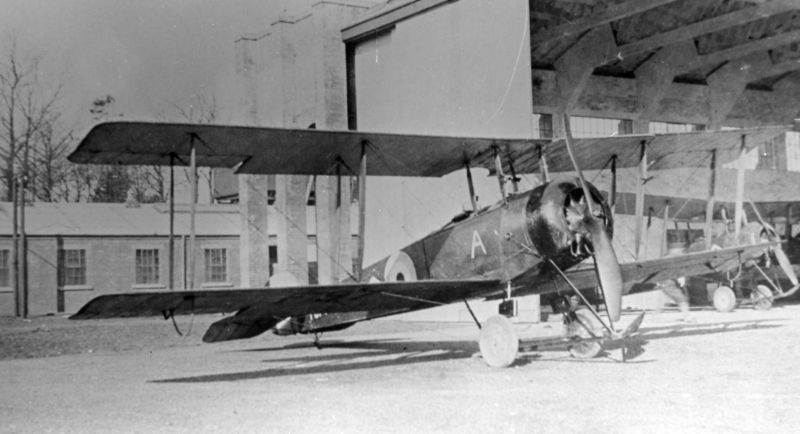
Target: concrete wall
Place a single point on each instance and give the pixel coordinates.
(292, 75)
(459, 69)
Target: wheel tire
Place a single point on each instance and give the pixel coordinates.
(761, 298)
(724, 299)
(498, 342)
(585, 350)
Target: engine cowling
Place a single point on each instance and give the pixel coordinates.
(557, 223)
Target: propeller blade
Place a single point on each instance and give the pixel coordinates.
(786, 266)
(607, 267)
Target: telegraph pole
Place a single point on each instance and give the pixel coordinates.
(15, 248)
(23, 251)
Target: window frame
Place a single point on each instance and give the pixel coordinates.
(61, 268)
(153, 268)
(225, 281)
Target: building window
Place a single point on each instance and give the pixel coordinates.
(147, 266)
(72, 267)
(5, 269)
(216, 265)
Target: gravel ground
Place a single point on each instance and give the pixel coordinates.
(726, 373)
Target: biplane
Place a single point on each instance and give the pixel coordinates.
(554, 240)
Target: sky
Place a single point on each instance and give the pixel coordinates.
(147, 54)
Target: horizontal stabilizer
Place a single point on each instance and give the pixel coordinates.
(236, 327)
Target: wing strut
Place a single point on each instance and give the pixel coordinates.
(640, 199)
(712, 187)
(501, 177)
(738, 212)
(471, 186)
(362, 210)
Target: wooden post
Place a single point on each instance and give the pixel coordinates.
(23, 251)
(665, 238)
(712, 186)
(15, 249)
(171, 243)
(192, 212)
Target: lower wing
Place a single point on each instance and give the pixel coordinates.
(651, 270)
(290, 301)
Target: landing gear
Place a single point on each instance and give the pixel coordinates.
(724, 299)
(586, 330)
(584, 338)
(761, 297)
(498, 342)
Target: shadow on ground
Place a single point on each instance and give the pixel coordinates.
(378, 353)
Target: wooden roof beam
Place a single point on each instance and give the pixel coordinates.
(727, 84)
(655, 76)
(575, 66)
(745, 49)
(765, 9)
(612, 13)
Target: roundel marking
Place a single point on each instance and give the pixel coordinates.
(399, 267)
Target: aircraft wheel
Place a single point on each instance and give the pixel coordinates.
(585, 350)
(724, 299)
(761, 298)
(498, 342)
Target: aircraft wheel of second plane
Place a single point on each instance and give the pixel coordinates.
(498, 342)
(724, 299)
(761, 298)
(585, 326)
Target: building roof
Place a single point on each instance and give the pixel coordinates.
(117, 219)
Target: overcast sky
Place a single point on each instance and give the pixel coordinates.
(146, 53)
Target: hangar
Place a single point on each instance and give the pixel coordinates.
(511, 69)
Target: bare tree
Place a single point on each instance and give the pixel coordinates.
(201, 109)
(29, 135)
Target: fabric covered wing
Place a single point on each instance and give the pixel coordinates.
(283, 302)
(264, 150)
(664, 151)
(583, 276)
(673, 267)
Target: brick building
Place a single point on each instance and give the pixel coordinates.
(77, 251)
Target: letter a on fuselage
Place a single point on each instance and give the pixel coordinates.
(477, 242)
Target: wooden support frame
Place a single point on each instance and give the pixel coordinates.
(171, 243)
(192, 214)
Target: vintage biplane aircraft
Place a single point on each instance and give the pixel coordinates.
(527, 243)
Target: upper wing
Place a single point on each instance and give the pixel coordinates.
(287, 151)
(664, 151)
(284, 302)
(261, 150)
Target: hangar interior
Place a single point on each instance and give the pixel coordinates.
(512, 68)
